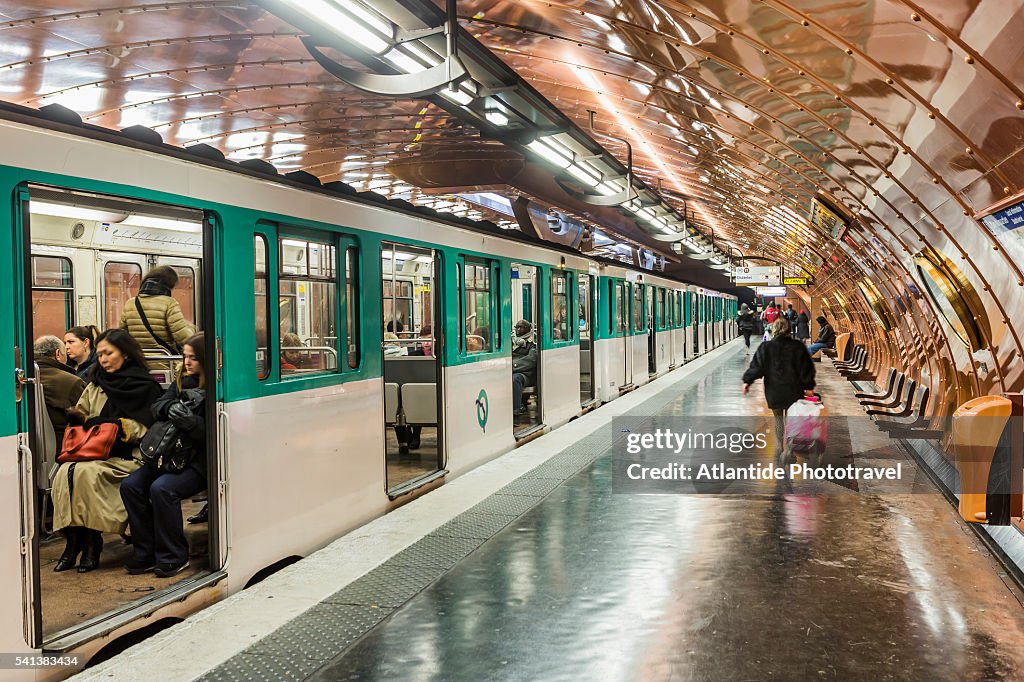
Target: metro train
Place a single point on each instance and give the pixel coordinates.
(297, 287)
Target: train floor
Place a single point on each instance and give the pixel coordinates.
(554, 576)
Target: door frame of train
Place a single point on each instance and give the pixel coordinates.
(437, 332)
(25, 407)
(593, 319)
(29, 503)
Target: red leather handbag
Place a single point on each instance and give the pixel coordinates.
(88, 444)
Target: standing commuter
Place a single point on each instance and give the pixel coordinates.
(154, 318)
(768, 317)
(788, 375)
(152, 497)
(826, 336)
(803, 327)
(790, 316)
(746, 323)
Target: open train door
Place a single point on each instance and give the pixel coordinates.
(19, 485)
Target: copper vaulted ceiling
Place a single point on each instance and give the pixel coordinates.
(907, 114)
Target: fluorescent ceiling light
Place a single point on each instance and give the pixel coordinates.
(162, 223)
(76, 212)
(497, 118)
(457, 96)
(584, 175)
(549, 153)
(351, 21)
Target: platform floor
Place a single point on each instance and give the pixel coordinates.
(554, 577)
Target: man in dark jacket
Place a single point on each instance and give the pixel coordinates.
(524, 364)
(61, 387)
(788, 374)
(826, 336)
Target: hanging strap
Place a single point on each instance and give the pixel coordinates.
(145, 321)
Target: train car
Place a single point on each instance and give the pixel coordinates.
(358, 355)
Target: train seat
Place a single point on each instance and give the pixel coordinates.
(419, 403)
(390, 403)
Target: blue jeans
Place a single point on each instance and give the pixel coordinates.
(815, 347)
(153, 502)
(518, 384)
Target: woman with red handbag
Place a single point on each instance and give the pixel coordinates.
(86, 495)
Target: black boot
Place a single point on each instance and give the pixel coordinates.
(72, 548)
(93, 546)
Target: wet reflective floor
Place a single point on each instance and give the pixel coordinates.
(776, 584)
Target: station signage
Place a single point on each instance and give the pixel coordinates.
(770, 292)
(758, 276)
(824, 218)
(794, 281)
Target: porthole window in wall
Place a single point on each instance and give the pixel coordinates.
(953, 295)
(875, 303)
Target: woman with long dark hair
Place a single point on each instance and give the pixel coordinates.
(80, 345)
(86, 501)
(153, 497)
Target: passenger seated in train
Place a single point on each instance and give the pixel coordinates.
(826, 336)
(291, 352)
(153, 497)
(524, 364)
(481, 338)
(425, 343)
(154, 318)
(392, 346)
(80, 345)
(61, 387)
(394, 326)
(86, 500)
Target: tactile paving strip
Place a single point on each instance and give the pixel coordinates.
(387, 585)
(435, 550)
(300, 647)
(473, 525)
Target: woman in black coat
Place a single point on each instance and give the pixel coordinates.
(153, 497)
(788, 374)
(803, 327)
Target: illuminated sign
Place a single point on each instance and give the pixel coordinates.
(827, 220)
(770, 292)
(794, 280)
(758, 276)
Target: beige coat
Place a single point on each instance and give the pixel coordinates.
(96, 502)
(164, 315)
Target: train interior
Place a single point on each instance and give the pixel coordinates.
(525, 306)
(412, 374)
(585, 303)
(88, 256)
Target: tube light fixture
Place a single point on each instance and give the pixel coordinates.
(76, 212)
(584, 174)
(161, 223)
(351, 20)
(496, 117)
(550, 153)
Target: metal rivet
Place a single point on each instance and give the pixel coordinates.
(1020, 104)
(889, 81)
(969, 59)
(969, 150)
(805, 22)
(931, 115)
(1006, 190)
(915, 16)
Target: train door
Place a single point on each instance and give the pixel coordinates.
(82, 257)
(527, 371)
(411, 360)
(586, 304)
(652, 331)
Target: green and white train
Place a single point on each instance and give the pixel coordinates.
(294, 285)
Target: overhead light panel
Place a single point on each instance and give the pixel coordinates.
(349, 20)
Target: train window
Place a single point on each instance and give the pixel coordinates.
(352, 331)
(477, 304)
(621, 306)
(953, 296)
(261, 284)
(399, 310)
(661, 308)
(184, 292)
(875, 303)
(307, 283)
(120, 282)
(53, 296)
(639, 318)
(559, 306)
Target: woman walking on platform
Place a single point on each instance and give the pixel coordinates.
(788, 374)
(746, 323)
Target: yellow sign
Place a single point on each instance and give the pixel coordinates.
(794, 280)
